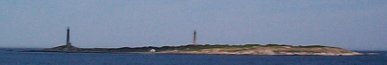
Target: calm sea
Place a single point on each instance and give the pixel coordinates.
(12, 57)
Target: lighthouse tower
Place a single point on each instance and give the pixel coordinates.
(68, 43)
(194, 38)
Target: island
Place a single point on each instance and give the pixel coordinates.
(221, 49)
(218, 49)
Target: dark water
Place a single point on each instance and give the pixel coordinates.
(10, 57)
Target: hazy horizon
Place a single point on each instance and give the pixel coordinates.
(350, 24)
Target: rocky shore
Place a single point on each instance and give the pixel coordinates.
(284, 50)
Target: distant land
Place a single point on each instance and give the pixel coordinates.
(247, 49)
(195, 48)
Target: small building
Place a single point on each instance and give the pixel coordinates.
(152, 50)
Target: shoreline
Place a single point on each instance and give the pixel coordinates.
(192, 54)
(162, 53)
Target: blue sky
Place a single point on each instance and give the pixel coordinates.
(351, 24)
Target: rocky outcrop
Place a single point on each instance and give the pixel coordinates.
(62, 48)
(274, 50)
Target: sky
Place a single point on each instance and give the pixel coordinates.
(350, 24)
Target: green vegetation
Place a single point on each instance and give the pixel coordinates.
(312, 46)
(207, 46)
(188, 47)
(183, 47)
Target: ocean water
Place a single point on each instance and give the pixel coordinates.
(11, 57)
